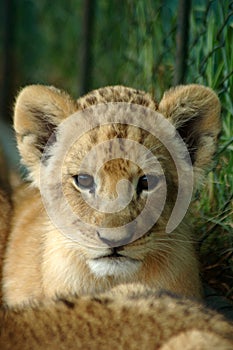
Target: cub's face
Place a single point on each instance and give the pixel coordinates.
(117, 185)
(115, 167)
(120, 196)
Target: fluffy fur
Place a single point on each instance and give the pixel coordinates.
(46, 270)
(128, 317)
(40, 261)
(5, 211)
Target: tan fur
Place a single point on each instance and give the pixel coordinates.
(5, 211)
(128, 317)
(40, 261)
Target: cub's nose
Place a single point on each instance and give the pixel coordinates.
(114, 241)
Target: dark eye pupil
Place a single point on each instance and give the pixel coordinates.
(84, 181)
(147, 182)
(143, 182)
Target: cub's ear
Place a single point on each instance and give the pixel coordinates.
(195, 112)
(38, 111)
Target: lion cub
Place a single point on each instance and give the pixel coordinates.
(106, 172)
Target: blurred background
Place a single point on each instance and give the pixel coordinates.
(79, 45)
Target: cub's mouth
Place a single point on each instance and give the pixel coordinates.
(114, 254)
(114, 263)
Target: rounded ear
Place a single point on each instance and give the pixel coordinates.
(38, 111)
(195, 112)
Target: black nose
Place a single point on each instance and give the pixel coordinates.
(114, 242)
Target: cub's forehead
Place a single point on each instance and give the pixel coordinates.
(116, 131)
(111, 131)
(106, 121)
(111, 142)
(114, 139)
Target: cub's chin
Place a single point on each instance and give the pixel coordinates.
(114, 266)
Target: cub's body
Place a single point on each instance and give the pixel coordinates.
(129, 317)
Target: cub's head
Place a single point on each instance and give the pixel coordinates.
(114, 166)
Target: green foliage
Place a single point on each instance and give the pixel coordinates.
(135, 44)
(47, 37)
(211, 63)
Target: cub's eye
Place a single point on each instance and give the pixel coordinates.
(147, 183)
(84, 181)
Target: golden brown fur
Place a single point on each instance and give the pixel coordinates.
(5, 211)
(42, 262)
(129, 317)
